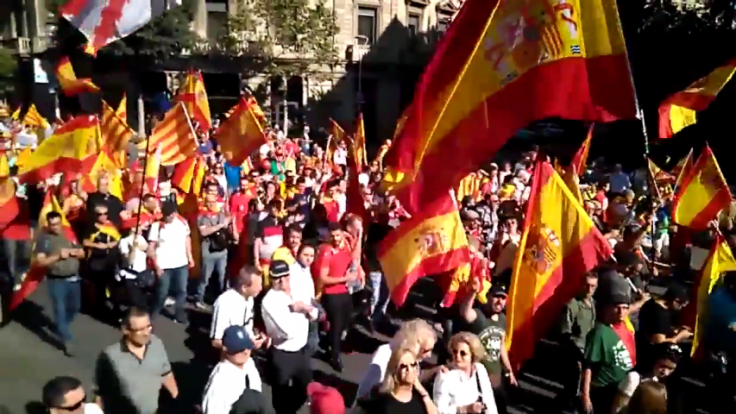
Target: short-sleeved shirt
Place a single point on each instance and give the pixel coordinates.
(207, 219)
(127, 384)
(578, 320)
(171, 239)
(338, 261)
(51, 244)
(608, 357)
(385, 403)
(490, 333)
(653, 319)
(270, 232)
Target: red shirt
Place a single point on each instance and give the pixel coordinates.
(627, 337)
(239, 209)
(18, 227)
(333, 210)
(338, 261)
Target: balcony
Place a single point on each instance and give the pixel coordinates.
(20, 46)
(40, 44)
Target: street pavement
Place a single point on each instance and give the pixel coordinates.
(29, 358)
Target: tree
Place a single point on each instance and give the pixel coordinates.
(8, 66)
(288, 37)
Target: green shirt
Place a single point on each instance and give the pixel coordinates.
(577, 321)
(606, 356)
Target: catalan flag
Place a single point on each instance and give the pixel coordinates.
(558, 246)
(69, 82)
(241, 134)
(115, 134)
(16, 114)
(152, 171)
(432, 241)
(489, 78)
(122, 111)
(30, 281)
(359, 153)
(337, 135)
(70, 150)
(680, 110)
(175, 136)
(188, 175)
(194, 97)
(702, 194)
(102, 167)
(33, 118)
(719, 261)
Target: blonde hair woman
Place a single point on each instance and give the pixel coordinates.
(465, 387)
(417, 335)
(401, 391)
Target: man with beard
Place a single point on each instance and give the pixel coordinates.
(656, 322)
(130, 373)
(489, 323)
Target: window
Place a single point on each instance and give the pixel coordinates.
(216, 25)
(413, 24)
(368, 24)
(442, 25)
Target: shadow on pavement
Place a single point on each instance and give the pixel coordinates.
(191, 378)
(31, 317)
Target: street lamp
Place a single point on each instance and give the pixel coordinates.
(360, 40)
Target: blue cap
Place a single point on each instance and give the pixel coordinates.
(236, 340)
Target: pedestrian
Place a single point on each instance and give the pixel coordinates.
(102, 259)
(287, 324)
(214, 227)
(302, 287)
(60, 255)
(235, 307)
(65, 395)
(130, 373)
(170, 239)
(324, 399)
(234, 374)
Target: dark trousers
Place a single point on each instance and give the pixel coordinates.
(66, 298)
(500, 396)
(292, 372)
(602, 398)
(135, 295)
(338, 309)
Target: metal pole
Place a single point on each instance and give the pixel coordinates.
(141, 117)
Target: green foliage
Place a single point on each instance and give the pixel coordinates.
(54, 5)
(8, 66)
(289, 37)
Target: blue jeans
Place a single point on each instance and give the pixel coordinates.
(66, 299)
(175, 281)
(17, 260)
(212, 262)
(379, 301)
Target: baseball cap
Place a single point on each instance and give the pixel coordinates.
(278, 269)
(324, 399)
(236, 340)
(497, 290)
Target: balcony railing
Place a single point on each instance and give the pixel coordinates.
(18, 45)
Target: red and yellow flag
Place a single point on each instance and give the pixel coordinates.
(502, 65)
(115, 134)
(431, 242)
(188, 175)
(469, 186)
(702, 194)
(580, 159)
(241, 133)
(683, 169)
(194, 97)
(30, 281)
(34, 119)
(680, 110)
(122, 111)
(69, 82)
(719, 261)
(337, 135)
(175, 137)
(9, 207)
(559, 245)
(152, 171)
(257, 111)
(359, 153)
(72, 149)
(103, 166)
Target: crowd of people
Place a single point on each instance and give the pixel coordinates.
(296, 272)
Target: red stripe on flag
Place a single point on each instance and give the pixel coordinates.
(429, 265)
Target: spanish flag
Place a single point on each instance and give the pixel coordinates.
(69, 82)
(502, 65)
(337, 135)
(469, 186)
(359, 153)
(103, 167)
(175, 136)
(189, 174)
(115, 134)
(433, 241)
(477, 268)
(257, 111)
(30, 281)
(9, 207)
(241, 133)
(680, 110)
(559, 245)
(580, 159)
(70, 150)
(683, 169)
(702, 194)
(719, 261)
(108, 229)
(194, 97)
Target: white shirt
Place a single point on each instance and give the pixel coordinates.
(376, 370)
(227, 383)
(288, 330)
(231, 308)
(340, 156)
(139, 259)
(302, 286)
(91, 408)
(453, 389)
(171, 238)
(342, 203)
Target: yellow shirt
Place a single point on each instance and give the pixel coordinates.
(283, 253)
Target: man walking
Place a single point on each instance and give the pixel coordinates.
(60, 256)
(287, 324)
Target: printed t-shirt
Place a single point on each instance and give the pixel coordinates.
(272, 237)
(609, 353)
(490, 333)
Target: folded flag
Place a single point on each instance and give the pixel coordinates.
(69, 82)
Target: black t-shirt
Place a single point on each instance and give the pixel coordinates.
(99, 260)
(387, 404)
(653, 319)
(113, 204)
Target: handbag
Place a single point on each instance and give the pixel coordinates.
(218, 241)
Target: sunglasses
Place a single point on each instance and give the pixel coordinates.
(101, 213)
(74, 407)
(413, 365)
(462, 353)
